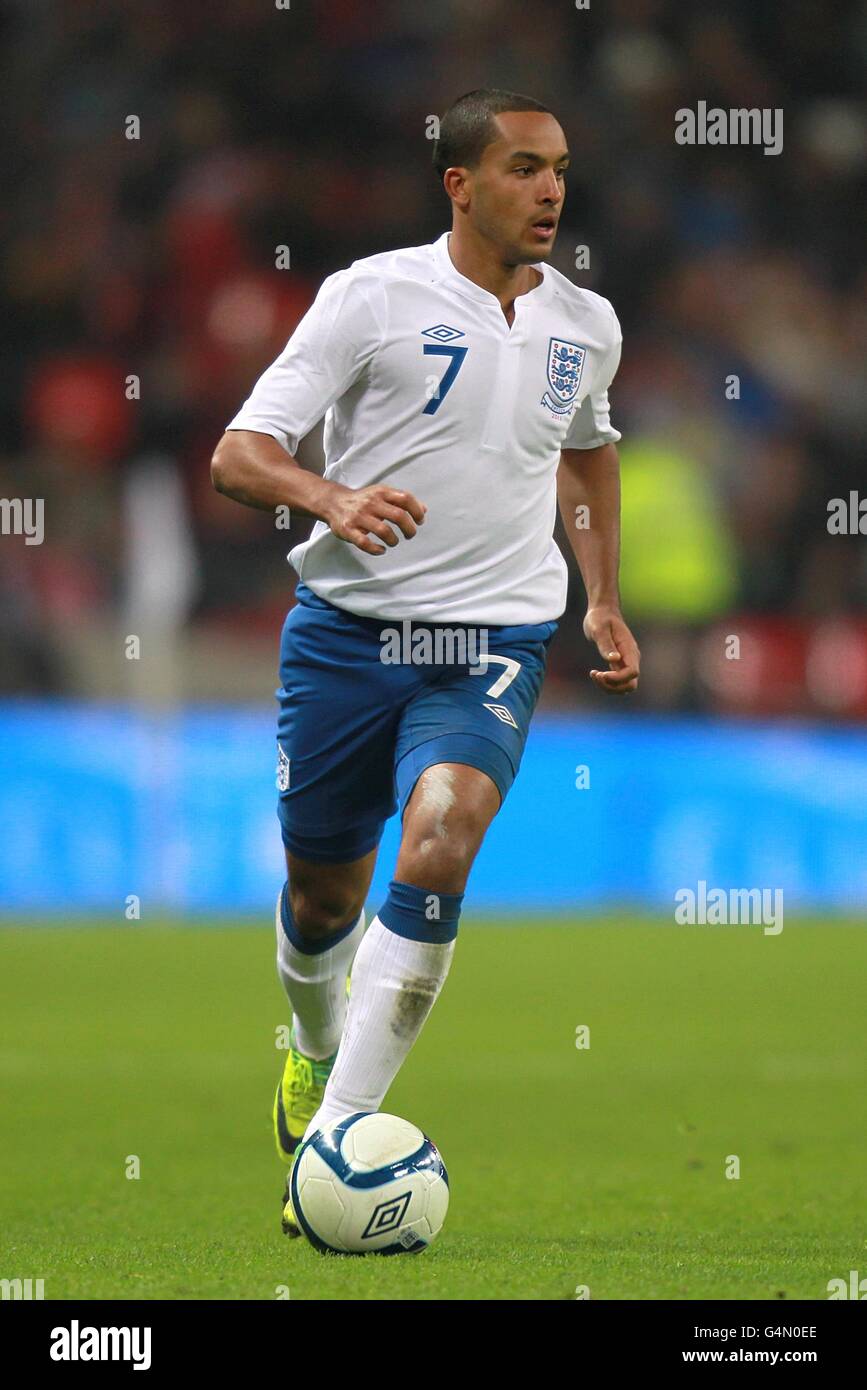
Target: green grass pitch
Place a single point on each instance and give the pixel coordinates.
(603, 1166)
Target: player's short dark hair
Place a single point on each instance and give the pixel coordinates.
(468, 126)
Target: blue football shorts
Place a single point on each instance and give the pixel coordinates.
(355, 731)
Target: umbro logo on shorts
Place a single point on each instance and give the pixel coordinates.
(504, 715)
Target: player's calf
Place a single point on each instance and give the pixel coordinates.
(313, 969)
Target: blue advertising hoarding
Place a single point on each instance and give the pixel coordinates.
(98, 803)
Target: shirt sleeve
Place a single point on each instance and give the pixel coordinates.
(590, 426)
(327, 353)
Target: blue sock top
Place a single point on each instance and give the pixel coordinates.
(421, 914)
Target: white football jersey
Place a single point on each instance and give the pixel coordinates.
(425, 387)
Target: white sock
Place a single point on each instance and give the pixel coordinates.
(316, 987)
(395, 983)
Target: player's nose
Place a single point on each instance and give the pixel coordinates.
(551, 191)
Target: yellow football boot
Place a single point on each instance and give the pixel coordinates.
(299, 1096)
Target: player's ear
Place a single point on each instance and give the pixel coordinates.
(456, 184)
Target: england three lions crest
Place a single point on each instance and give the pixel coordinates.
(565, 365)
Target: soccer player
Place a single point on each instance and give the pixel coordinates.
(464, 387)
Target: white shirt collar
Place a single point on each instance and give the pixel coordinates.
(450, 273)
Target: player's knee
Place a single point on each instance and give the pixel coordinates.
(440, 856)
(446, 820)
(319, 911)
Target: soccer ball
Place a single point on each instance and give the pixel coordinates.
(370, 1183)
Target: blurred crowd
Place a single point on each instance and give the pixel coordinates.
(159, 155)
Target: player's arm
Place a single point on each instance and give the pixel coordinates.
(255, 461)
(588, 491)
(255, 469)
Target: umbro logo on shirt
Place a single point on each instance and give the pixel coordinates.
(504, 715)
(443, 333)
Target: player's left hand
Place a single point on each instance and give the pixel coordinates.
(605, 627)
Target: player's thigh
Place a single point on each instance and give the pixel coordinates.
(459, 746)
(474, 718)
(338, 714)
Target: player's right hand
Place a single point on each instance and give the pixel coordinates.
(357, 515)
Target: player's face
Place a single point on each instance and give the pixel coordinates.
(518, 189)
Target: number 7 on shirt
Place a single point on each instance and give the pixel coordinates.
(457, 354)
